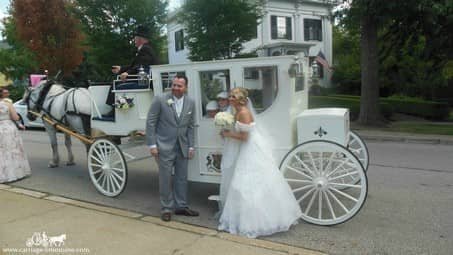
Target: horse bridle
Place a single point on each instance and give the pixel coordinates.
(42, 95)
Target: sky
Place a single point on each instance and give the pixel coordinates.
(5, 3)
(3, 6)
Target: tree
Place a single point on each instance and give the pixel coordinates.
(215, 31)
(110, 25)
(394, 29)
(16, 60)
(366, 16)
(48, 30)
(421, 43)
(346, 55)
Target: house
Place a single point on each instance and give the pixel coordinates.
(287, 27)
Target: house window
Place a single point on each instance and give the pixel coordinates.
(262, 85)
(312, 30)
(281, 28)
(179, 40)
(167, 79)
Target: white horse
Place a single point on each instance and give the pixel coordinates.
(71, 107)
(57, 241)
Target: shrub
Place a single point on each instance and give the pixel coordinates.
(350, 102)
(16, 92)
(401, 104)
(418, 107)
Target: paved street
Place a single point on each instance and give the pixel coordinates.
(409, 209)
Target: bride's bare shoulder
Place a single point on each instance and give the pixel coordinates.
(245, 116)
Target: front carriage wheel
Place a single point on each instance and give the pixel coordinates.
(107, 167)
(316, 171)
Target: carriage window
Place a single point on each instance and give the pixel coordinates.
(214, 91)
(262, 84)
(167, 78)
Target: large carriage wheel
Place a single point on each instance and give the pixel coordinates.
(107, 167)
(315, 171)
(358, 147)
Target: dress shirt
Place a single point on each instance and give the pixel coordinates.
(179, 102)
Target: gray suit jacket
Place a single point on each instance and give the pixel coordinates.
(165, 129)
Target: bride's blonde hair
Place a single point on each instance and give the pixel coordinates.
(240, 94)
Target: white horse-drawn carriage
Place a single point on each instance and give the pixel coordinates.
(323, 161)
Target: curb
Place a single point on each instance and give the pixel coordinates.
(202, 231)
(403, 138)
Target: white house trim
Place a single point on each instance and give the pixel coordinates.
(264, 45)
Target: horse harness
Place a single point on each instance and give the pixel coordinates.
(70, 92)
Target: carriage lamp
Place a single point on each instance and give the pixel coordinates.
(314, 69)
(142, 76)
(296, 69)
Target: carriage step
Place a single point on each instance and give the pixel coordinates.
(214, 198)
(104, 118)
(217, 199)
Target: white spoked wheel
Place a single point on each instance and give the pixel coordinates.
(107, 167)
(358, 147)
(315, 171)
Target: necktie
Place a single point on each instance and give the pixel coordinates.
(178, 107)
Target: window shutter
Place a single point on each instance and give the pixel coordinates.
(273, 27)
(179, 40)
(319, 30)
(289, 35)
(306, 27)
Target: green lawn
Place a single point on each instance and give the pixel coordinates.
(450, 117)
(421, 127)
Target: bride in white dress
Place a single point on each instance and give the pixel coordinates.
(256, 200)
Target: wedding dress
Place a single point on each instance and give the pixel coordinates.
(255, 197)
(13, 161)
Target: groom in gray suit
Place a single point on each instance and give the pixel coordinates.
(170, 137)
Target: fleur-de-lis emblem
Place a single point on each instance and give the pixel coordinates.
(320, 132)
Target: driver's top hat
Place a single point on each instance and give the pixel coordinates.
(142, 31)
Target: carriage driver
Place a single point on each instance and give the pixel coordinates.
(144, 57)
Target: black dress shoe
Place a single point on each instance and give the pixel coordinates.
(186, 211)
(166, 216)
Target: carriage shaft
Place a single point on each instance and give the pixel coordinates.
(83, 138)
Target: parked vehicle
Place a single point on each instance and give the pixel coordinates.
(21, 109)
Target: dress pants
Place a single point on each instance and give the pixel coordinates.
(172, 189)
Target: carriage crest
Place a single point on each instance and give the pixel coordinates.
(213, 161)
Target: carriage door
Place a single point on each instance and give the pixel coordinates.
(212, 83)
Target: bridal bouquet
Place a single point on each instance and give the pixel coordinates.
(224, 120)
(124, 102)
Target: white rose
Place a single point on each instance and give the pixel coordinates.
(224, 120)
(170, 101)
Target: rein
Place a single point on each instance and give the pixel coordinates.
(43, 95)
